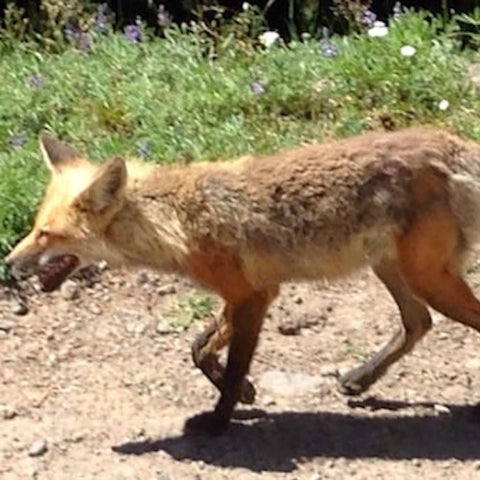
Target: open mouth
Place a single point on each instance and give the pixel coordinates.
(55, 272)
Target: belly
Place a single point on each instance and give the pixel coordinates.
(316, 262)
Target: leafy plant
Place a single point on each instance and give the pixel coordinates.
(469, 26)
(187, 104)
(15, 25)
(195, 307)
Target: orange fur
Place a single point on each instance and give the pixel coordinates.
(405, 203)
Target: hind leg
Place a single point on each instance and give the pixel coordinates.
(430, 260)
(205, 350)
(416, 322)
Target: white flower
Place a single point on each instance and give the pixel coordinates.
(408, 51)
(379, 29)
(443, 105)
(245, 6)
(268, 38)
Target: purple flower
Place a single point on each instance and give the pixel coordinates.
(257, 87)
(134, 33)
(81, 40)
(397, 10)
(329, 50)
(369, 18)
(72, 33)
(18, 140)
(100, 19)
(36, 81)
(163, 17)
(143, 150)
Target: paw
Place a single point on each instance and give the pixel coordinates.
(248, 393)
(353, 384)
(206, 423)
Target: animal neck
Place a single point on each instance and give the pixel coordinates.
(147, 231)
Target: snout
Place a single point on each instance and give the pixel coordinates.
(8, 260)
(12, 260)
(23, 259)
(20, 269)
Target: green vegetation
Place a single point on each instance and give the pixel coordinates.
(192, 96)
(188, 310)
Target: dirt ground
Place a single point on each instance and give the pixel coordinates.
(97, 387)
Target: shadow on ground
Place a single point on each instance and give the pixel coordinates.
(274, 442)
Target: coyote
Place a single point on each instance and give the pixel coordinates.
(405, 203)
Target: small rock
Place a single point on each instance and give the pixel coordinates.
(289, 383)
(142, 278)
(102, 265)
(472, 364)
(161, 476)
(130, 327)
(38, 448)
(6, 326)
(89, 276)
(69, 290)
(298, 300)
(20, 308)
(7, 412)
(441, 409)
(289, 327)
(78, 437)
(164, 328)
(127, 316)
(34, 472)
(72, 326)
(309, 321)
(167, 290)
(52, 359)
(95, 309)
(139, 433)
(140, 328)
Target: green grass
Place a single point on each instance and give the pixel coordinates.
(187, 106)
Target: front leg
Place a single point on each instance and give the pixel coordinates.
(247, 319)
(205, 350)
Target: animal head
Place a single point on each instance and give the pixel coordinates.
(79, 204)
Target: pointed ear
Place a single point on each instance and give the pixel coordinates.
(107, 188)
(57, 154)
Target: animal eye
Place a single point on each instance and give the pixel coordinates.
(43, 234)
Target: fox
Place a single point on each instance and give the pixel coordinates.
(405, 204)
